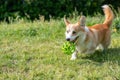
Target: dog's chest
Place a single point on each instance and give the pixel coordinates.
(85, 47)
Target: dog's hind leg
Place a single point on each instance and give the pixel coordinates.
(105, 47)
(106, 42)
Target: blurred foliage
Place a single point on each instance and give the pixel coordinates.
(33, 9)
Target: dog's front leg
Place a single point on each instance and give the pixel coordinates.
(74, 55)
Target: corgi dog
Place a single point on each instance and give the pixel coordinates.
(87, 39)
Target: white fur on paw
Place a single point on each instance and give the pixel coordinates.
(73, 58)
(100, 47)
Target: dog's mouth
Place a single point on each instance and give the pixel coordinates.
(75, 39)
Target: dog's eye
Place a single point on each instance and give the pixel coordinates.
(73, 32)
(67, 31)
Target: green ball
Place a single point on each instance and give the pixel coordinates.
(68, 48)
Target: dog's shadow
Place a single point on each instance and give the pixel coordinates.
(112, 55)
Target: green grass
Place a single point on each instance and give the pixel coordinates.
(32, 51)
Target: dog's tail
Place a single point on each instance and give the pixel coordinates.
(109, 16)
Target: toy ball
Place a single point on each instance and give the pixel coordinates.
(68, 48)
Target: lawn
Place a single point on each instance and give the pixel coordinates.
(33, 51)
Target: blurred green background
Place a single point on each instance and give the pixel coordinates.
(33, 9)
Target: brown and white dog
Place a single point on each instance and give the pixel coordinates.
(87, 39)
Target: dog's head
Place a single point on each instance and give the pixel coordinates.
(74, 31)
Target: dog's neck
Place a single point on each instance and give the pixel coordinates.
(84, 38)
(85, 34)
(86, 29)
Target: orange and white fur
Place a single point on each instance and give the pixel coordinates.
(87, 39)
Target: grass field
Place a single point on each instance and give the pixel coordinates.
(32, 51)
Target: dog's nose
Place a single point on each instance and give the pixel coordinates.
(68, 39)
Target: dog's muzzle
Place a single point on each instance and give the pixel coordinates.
(68, 39)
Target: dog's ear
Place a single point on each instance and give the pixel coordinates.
(82, 21)
(66, 21)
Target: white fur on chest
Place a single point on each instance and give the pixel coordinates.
(88, 47)
(84, 48)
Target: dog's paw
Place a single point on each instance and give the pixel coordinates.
(73, 58)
